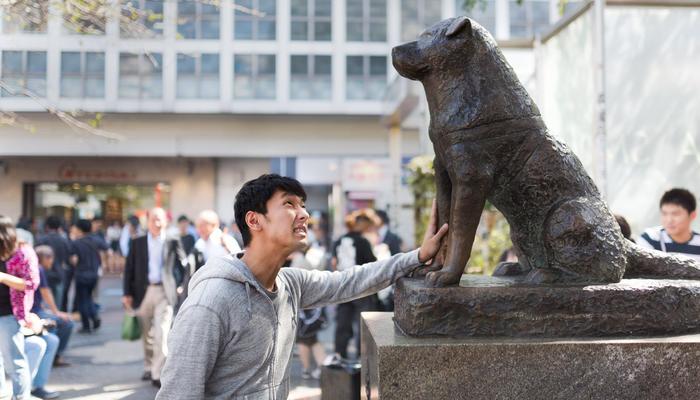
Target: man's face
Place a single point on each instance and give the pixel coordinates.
(156, 222)
(47, 262)
(286, 222)
(676, 219)
(182, 226)
(205, 228)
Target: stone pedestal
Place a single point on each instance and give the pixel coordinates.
(483, 306)
(395, 366)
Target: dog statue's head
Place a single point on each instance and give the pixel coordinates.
(464, 75)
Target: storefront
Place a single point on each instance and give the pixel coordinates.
(108, 188)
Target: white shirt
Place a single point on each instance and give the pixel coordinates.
(155, 258)
(213, 246)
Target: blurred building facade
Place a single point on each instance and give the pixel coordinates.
(212, 94)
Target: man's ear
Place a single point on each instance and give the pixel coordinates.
(251, 219)
(693, 215)
(458, 25)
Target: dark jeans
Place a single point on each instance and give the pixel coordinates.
(67, 280)
(63, 329)
(88, 311)
(348, 319)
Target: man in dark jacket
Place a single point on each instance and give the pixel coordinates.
(60, 275)
(152, 274)
(86, 252)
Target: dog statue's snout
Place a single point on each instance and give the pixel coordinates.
(406, 60)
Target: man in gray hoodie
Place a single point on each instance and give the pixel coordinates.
(234, 335)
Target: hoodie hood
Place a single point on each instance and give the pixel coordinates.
(230, 268)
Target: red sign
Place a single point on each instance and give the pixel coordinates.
(70, 172)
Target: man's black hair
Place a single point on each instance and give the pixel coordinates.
(679, 197)
(84, 225)
(53, 222)
(182, 218)
(25, 223)
(255, 194)
(383, 216)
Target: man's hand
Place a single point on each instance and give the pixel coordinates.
(64, 316)
(432, 239)
(128, 302)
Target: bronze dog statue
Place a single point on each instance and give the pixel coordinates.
(491, 144)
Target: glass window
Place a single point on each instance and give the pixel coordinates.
(417, 15)
(141, 19)
(255, 19)
(197, 20)
(484, 12)
(529, 18)
(254, 76)
(140, 76)
(310, 77)
(366, 20)
(198, 76)
(31, 18)
(311, 20)
(24, 71)
(86, 17)
(366, 77)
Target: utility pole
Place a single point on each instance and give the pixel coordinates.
(599, 139)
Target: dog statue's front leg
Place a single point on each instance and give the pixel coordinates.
(468, 198)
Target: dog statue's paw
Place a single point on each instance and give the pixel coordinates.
(442, 278)
(423, 271)
(510, 269)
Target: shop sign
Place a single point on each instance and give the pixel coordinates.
(366, 174)
(69, 172)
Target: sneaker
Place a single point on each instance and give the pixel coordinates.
(305, 375)
(44, 394)
(316, 374)
(96, 324)
(156, 383)
(84, 331)
(146, 376)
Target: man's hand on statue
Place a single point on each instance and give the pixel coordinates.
(432, 239)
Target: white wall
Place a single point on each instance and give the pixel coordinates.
(653, 124)
(231, 174)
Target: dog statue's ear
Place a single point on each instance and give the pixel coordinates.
(458, 25)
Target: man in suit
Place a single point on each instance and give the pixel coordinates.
(153, 271)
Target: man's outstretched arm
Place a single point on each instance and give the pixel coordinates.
(318, 288)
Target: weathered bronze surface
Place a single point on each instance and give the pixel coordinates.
(491, 144)
(509, 307)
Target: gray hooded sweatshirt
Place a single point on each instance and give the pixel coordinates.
(233, 339)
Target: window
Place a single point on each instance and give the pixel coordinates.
(416, 15)
(254, 76)
(366, 77)
(254, 20)
(82, 74)
(311, 20)
(366, 20)
(528, 18)
(484, 12)
(24, 70)
(310, 77)
(140, 76)
(141, 19)
(86, 17)
(198, 76)
(197, 19)
(31, 18)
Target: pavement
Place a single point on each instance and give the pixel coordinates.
(105, 367)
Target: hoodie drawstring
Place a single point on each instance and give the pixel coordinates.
(247, 293)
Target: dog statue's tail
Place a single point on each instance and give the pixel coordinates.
(645, 263)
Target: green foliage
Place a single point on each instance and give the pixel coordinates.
(422, 183)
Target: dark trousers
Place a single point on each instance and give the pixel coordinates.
(67, 280)
(348, 320)
(88, 312)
